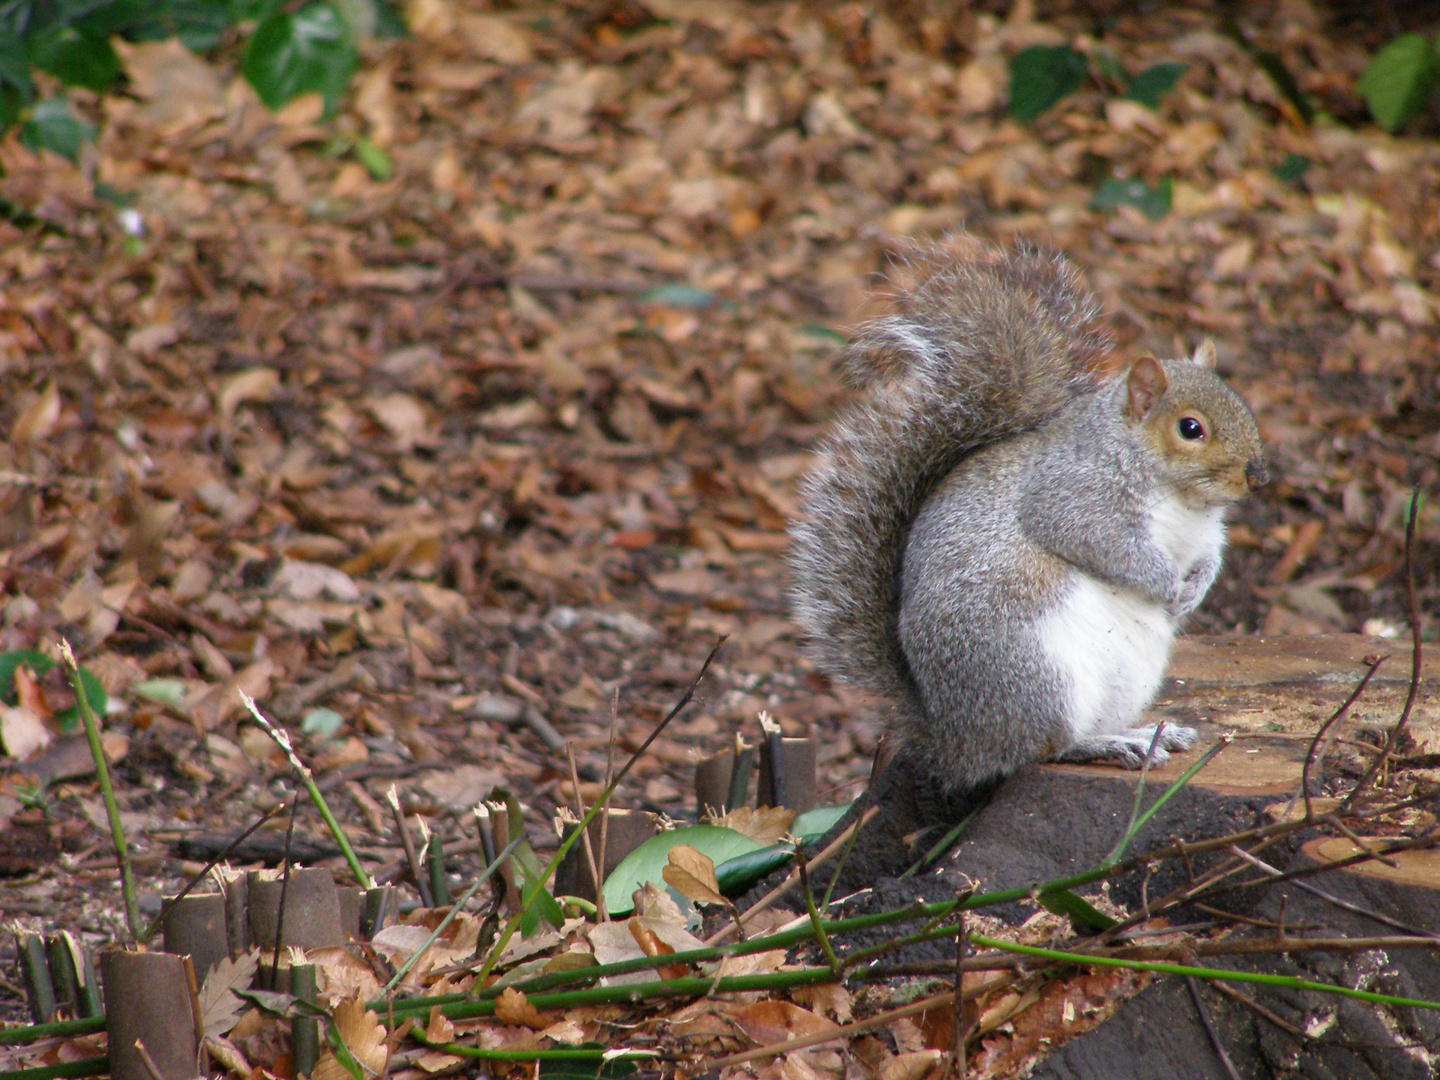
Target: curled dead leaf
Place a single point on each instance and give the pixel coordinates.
(911, 1066)
(691, 873)
(38, 420)
(253, 384)
(766, 825)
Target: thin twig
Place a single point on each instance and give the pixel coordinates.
(1260, 1010)
(1355, 909)
(533, 889)
(596, 875)
(215, 861)
(1374, 666)
(450, 916)
(1378, 765)
(845, 1031)
(284, 888)
(729, 929)
(1210, 1032)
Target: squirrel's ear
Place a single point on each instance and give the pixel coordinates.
(1146, 384)
(1204, 355)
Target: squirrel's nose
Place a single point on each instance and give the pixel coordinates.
(1255, 474)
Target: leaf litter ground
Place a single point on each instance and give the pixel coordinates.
(516, 431)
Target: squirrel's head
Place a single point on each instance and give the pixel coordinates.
(1203, 434)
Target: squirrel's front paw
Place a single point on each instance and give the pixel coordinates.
(1193, 587)
(1129, 748)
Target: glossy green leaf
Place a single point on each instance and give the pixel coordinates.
(1077, 909)
(737, 875)
(37, 662)
(52, 126)
(76, 59)
(307, 52)
(41, 665)
(1399, 79)
(1153, 202)
(377, 163)
(133, 18)
(1041, 76)
(647, 861)
(94, 695)
(813, 824)
(11, 105)
(1154, 83)
(15, 69)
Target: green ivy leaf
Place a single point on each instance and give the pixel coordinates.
(1154, 83)
(258, 10)
(1399, 79)
(41, 665)
(94, 694)
(377, 163)
(1153, 202)
(37, 662)
(11, 104)
(15, 69)
(1041, 76)
(75, 59)
(199, 24)
(389, 22)
(307, 52)
(52, 126)
(1292, 168)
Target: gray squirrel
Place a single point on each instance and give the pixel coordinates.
(1003, 533)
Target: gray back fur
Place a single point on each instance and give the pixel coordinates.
(989, 343)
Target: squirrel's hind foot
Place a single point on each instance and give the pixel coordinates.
(1128, 748)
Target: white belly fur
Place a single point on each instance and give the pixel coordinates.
(1187, 534)
(1110, 647)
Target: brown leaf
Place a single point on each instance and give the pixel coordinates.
(692, 874)
(253, 384)
(911, 1066)
(180, 89)
(440, 1028)
(769, 1022)
(513, 1007)
(766, 825)
(364, 1037)
(29, 694)
(38, 420)
(220, 1009)
(22, 733)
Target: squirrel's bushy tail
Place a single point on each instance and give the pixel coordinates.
(989, 342)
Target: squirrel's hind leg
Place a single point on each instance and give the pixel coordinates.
(1128, 748)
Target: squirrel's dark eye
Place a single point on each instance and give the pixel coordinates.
(1190, 429)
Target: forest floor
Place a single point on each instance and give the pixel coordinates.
(521, 424)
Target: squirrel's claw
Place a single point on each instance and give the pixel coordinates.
(1128, 748)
